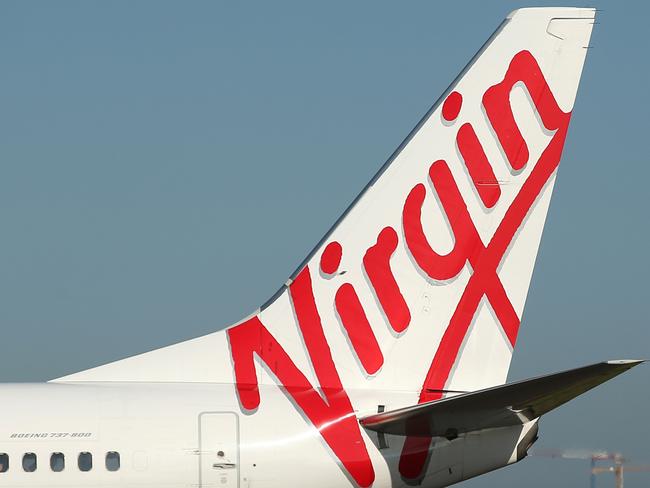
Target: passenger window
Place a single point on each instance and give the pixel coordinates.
(112, 461)
(4, 462)
(57, 462)
(85, 461)
(29, 462)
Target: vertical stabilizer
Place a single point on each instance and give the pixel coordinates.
(421, 284)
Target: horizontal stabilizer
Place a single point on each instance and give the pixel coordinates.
(500, 406)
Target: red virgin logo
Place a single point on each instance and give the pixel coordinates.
(332, 413)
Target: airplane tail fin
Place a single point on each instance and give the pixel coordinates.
(420, 286)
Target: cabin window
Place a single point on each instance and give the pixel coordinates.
(85, 461)
(29, 462)
(112, 461)
(4, 462)
(57, 462)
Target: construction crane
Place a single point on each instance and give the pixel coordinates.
(619, 468)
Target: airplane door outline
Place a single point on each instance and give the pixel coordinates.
(219, 449)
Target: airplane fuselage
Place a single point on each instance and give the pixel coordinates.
(187, 435)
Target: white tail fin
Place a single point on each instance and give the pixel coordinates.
(421, 285)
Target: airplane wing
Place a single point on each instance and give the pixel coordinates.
(509, 404)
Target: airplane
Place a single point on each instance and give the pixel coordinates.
(382, 360)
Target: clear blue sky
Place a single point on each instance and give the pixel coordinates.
(146, 146)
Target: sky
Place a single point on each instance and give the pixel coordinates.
(146, 147)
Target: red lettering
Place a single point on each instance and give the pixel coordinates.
(496, 100)
(331, 258)
(437, 266)
(451, 106)
(484, 280)
(376, 262)
(358, 328)
(333, 415)
(478, 166)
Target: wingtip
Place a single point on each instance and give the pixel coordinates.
(626, 362)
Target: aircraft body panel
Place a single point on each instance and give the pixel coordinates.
(161, 434)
